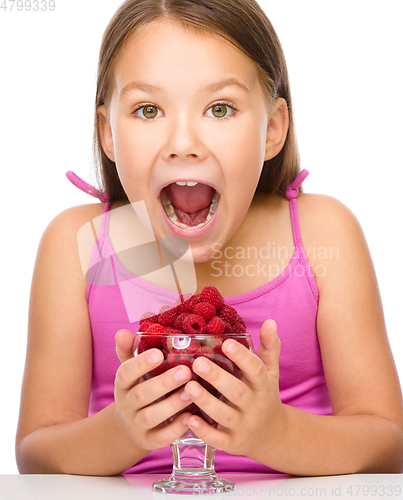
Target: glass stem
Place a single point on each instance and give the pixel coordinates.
(191, 458)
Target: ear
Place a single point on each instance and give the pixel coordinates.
(277, 128)
(105, 132)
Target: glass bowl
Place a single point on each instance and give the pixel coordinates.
(193, 460)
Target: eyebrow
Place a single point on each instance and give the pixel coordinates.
(211, 87)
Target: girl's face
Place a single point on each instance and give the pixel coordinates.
(189, 107)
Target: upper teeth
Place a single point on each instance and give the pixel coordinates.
(187, 183)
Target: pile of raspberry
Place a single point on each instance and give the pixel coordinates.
(203, 313)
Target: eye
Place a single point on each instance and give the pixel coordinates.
(220, 110)
(147, 111)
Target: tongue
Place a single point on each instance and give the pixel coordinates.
(194, 218)
(191, 203)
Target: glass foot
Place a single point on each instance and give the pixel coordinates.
(193, 484)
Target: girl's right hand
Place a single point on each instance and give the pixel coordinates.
(143, 421)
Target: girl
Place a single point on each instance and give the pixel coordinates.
(198, 92)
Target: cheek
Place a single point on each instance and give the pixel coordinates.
(130, 146)
(133, 156)
(245, 158)
(245, 140)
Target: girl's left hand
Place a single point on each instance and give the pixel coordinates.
(254, 415)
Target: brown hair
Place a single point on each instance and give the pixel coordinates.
(241, 22)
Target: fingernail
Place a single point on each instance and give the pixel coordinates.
(180, 375)
(203, 367)
(184, 396)
(195, 391)
(195, 424)
(153, 358)
(231, 347)
(185, 420)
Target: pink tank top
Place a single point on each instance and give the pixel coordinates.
(291, 299)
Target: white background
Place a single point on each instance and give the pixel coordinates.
(344, 61)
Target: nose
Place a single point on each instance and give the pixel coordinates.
(184, 139)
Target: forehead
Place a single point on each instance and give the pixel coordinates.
(166, 54)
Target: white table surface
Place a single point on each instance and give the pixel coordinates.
(259, 486)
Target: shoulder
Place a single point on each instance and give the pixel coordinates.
(66, 244)
(325, 219)
(74, 217)
(321, 206)
(331, 234)
(69, 222)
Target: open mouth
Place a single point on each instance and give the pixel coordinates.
(189, 205)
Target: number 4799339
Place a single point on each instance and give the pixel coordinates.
(27, 5)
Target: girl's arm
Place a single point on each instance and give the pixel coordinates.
(365, 434)
(55, 434)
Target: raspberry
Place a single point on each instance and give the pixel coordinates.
(183, 297)
(153, 340)
(193, 409)
(227, 313)
(172, 331)
(211, 389)
(167, 317)
(213, 296)
(239, 319)
(204, 351)
(205, 310)
(193, 323)
(239, 326)
(225, 363)
(237, 372)
(163, 367)
(155, 330)
(150, 317)
(189, 304)
(244, 342)
(175, 359)
(190, 349)
(143, 326)
(216, 326)
(228, 327)
(143, 346)
(179, 321)
(164, 308)
(216, 345)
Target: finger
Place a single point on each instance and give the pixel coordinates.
(156, 414)
(236, 391)
(253, 369)
(221, 412)
(269, 348)
(153, 389)
(217, 438)
(163, 436)
(130, 371)
(126, 344)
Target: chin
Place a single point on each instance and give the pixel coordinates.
(200, 254)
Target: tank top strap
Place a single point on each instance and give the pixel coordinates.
(291, 193)
(102, 196)
(87, 188)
